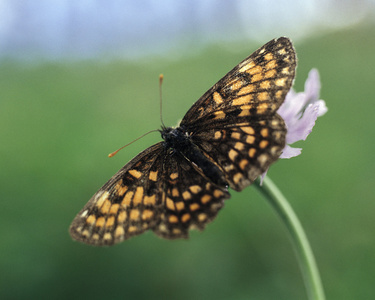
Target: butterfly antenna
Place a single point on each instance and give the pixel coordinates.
(161, 76)
(115, 152)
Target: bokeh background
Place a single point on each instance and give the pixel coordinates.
(79, 79)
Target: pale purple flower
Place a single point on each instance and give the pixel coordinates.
(300, 111)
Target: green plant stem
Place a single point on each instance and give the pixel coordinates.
(299, 240)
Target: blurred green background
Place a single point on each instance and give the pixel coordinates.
(59, 120)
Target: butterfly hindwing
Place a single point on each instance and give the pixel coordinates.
(245, 150)
(190, 199)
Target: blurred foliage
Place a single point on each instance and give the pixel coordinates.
(58, 121)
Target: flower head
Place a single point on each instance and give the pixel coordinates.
(300, 111)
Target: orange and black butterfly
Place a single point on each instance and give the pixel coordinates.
(229, 137)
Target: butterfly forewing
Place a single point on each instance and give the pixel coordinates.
(255, 88)
(230, 136)
(127, 205)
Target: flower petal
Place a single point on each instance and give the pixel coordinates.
(303, 127)
(292, 106)
(290, 152)
(322, 109)
(312, 86)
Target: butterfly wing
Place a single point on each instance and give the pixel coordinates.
(255, 88)
(244, 150)
(158, 190)
(191, 200)
(235, 122)
(127, 205)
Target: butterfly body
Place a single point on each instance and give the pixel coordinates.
(229, 137)
(180, 143)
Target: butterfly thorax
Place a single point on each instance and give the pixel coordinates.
(179, 142)
(175, 138)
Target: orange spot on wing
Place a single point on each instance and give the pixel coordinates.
(185, 218)
(127, 198)
(149, 200)
(119, 231)
(217, 98)
(134, 214)
(180, 205)
(194, 206)
(138, 196)
(153, 175)
(100, 222)
(110, 221)
(135, 173)
(255, 70)
(91, 220)
(206, 198)
(121, 217)
(170, 204)
(173, 219)
(105, 207)
(242, 100)
(147, 214)
(114, 208)
(246, 90)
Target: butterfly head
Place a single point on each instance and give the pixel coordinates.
(174, 137)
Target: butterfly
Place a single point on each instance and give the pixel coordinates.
(229, 137)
